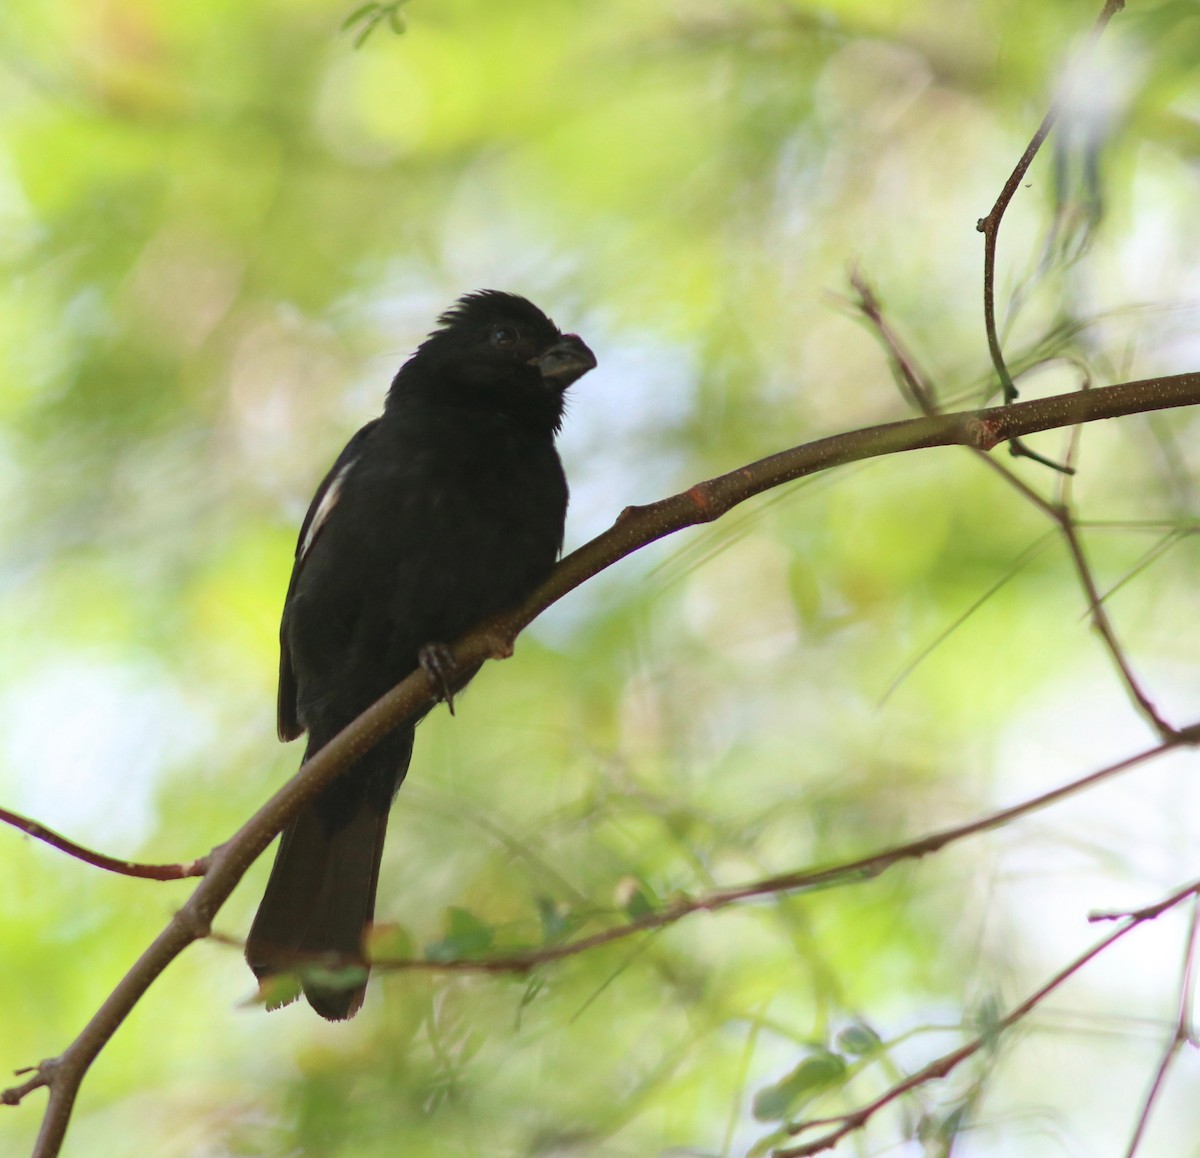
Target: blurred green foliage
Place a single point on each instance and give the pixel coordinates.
(222, 226)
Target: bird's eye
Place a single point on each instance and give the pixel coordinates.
(504, 337)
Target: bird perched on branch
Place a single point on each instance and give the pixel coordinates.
(443, 511)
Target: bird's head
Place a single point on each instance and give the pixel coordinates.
(497, 351)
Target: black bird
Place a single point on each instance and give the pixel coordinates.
(446, 509)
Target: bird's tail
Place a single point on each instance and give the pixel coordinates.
(320, 897)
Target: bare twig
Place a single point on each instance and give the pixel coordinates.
(845, 1124)
(41, 1077)
(635, 528)
(989, 226)
(127, 868)
(1103, 627)
(1182, 1036)
(1060, 512)
(914, 383)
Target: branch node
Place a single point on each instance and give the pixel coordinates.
(702, 498)
(195, 920)
(43, 1075)
(197, 867)
(981, 434)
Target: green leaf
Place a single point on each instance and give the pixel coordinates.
(389, 942)
(359, 14)
(859, 1040)
(635, 897)
(334, 977)
(986, 1019)
(277, 991)
(368, 28)
(466, 934)
(821, 1070)
(767, 1145)
(555, 918)
(952, 1124)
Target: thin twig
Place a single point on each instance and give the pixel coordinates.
(939, 1068)
(13, 1095)
(1103, 627)
(989, 226)
(914, 383)
(1183, 1030)
(1059, 513)
(112, 864)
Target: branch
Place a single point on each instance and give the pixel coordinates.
(635, 528)
(127, 868)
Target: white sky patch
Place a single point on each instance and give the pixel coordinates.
(83, 741)
(1116, 846)
(616, 440)
(1124, 842)
(617, 447)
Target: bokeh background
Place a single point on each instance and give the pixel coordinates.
(223, 226)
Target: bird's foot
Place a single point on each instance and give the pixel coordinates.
(437, 663)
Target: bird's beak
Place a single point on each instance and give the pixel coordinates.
(565, 362)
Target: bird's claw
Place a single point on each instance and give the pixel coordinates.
(437, 663)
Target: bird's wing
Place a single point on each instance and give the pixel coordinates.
(318, 514)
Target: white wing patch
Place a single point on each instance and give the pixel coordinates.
(329, 500)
